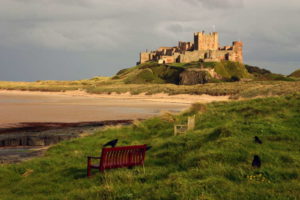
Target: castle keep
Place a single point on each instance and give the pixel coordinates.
(205, 48)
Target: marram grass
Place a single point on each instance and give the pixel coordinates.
(211, 162)
(103, 85)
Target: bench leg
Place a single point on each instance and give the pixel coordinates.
(88, 171)
(89, 163)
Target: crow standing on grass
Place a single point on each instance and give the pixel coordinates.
(257, 140)
(256, 161)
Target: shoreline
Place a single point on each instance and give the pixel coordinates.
(159, 97)
(45, 126)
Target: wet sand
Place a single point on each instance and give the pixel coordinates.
(76, 106)
(16, 108)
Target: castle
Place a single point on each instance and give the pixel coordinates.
(204, 48)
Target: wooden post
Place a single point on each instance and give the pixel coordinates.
(191, 123)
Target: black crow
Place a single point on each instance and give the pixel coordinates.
(112, 143)
(256, 161)
(257, 140)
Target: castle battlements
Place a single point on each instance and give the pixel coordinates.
(205, 48)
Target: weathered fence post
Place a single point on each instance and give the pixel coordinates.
(191, 123)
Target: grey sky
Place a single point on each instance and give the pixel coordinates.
(77, 39)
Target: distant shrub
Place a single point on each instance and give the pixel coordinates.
(257, 70)
(234, 79)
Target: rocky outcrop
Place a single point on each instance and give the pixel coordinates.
(44, 134)
(33, 139)
(26, 140)
(18, 154)
(194, 76)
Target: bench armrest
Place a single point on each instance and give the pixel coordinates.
(89, 164)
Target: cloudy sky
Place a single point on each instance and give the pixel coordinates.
(78, 39)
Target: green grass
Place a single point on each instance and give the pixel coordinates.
(211, 162)
(231, 69)
(158, 73)
(44, 86)
(105, 86)
(150, 73)
(295, 74)
(233, 89)
(260, 74)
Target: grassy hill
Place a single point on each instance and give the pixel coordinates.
(260, 74)
(295, 74)
(211, 162)
(151, 78)
(153, 72)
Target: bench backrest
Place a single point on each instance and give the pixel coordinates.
(125, 156)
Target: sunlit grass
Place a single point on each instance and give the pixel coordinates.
(107, 86)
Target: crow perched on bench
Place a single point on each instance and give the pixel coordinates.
(112, 143)
(256, 161)
(257, 140)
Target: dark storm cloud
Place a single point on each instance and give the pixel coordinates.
(73, 39)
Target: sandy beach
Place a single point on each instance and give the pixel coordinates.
(78, 106)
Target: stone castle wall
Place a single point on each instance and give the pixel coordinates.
(204, 48)
(190, 56)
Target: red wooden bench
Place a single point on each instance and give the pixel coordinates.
(116, 157)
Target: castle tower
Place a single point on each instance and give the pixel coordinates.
(204, 41)
(237, 48)
(144, 57)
